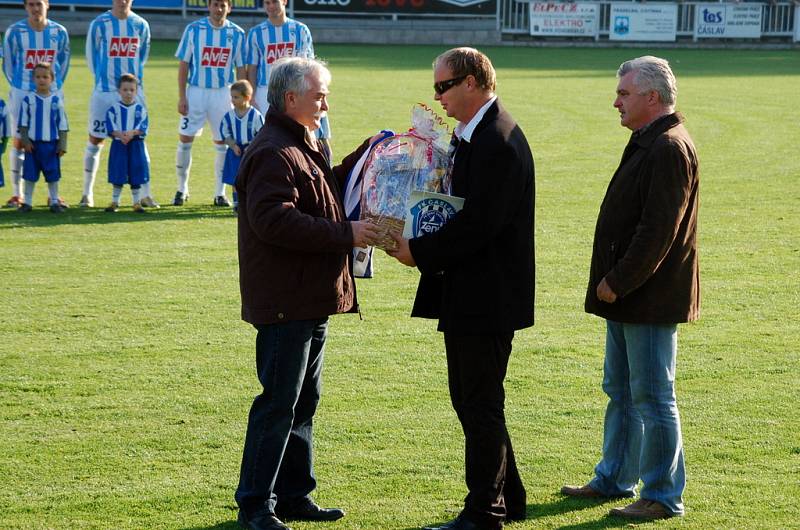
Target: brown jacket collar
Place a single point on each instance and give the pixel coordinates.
(648, 134)
(298, 131)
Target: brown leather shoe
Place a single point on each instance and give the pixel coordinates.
(643, 510)
(583, 492)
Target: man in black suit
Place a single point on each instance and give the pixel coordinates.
(477, 278)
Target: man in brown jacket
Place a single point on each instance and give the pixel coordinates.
(295, 245)
(644, 280)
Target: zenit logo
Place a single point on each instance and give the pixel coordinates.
(123, 47)
(214, 56)
(276, 51)
(34, 57)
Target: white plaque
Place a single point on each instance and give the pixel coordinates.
(564, 19)
(643, 22)
(728, 21)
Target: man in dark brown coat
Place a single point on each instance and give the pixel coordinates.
(644, 280)
(295, 244)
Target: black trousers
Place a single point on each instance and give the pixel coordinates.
(476, 368)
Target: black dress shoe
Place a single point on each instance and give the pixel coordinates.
(305, 509)
(459, 523)
(265, 521)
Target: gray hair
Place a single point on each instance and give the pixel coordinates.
(652, 73)
(290, 74)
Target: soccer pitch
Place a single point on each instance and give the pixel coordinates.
(126, 374)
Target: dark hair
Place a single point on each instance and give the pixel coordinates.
(127, 78)
(242, 87)
(44, 65)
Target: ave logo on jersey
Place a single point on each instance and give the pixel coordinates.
(214, 56)
(34, 57)
(279, 50)
(123, 47)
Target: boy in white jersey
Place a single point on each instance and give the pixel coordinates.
(118, 42)
(238, 128)
(278, 36)
(42, 125)
(26, 43)
(209, 51)
(128, 160)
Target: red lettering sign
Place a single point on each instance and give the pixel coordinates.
(123, 47)
(214, 56)
(34, 57)
(555, 8)
(276, 51)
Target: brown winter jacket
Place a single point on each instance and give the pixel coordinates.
(294, 240)
(645, 242)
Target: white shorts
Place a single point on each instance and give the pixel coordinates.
(260, 102)
(205, 105)
(99, 104)
(15, 97)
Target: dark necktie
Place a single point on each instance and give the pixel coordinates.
(454, 143)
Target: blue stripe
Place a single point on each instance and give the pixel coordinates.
(31, 44)
(39, 110)
(251, 116)
(144, 46)
(209, 71)
(263, 78)
(143, 123)
(17, 72)
(221, 72)
(194, 66)
(132, 60)
(116, 62)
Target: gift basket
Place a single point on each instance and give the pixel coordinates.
(416, 160)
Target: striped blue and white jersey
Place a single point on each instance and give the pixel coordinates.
(43, 116)
(213, 54)
(267, 43)
(242, 129)
(4, 126)
(24, 48)
(115, 47)
(121, 117)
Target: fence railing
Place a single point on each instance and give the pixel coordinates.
(778, 18)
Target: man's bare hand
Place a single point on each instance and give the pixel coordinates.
(605, 293)
(364, 233)
(402, 253)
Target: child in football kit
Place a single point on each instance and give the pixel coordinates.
(3, 137)
(42, 126)
(238, 128)
(128, 160)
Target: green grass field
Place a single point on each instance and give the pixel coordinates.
(126, 374)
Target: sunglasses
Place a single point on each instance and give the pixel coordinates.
(443, 86)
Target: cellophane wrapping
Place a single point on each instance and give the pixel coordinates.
(416, 160)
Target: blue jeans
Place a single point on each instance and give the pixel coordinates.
(642, 431)
(277, 458)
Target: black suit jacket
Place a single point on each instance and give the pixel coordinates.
(478, 273)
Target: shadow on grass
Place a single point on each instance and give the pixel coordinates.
(41, 216)
(227, 525)
(560, 507)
